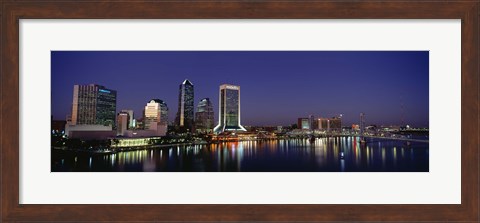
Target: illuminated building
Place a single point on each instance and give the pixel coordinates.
(323, 124)
(93, 105)
(204, 116)
(303, 123)
(122, 123)
(131, 122)
(156, 111)
(184, 117)
(333, 124)
(229, 109)
(133, 142)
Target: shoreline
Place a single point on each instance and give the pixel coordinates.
(121, 149)
(134, 148)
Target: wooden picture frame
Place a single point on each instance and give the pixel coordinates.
(12, 11)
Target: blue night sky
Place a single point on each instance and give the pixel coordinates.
(277, 87)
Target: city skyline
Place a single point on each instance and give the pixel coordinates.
(387, 86)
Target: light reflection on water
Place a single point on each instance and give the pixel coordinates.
(295, 155)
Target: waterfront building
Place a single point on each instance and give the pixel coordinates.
(323, 124)
(158, 129)
(131, 122)
(156, 111)
(133, 142)
(204, 116)
(229, 109)
(122, 123)
(362, 123)
(303, 123)
(333, 124)
(93, 105)
(312, 123)
(184, 117)
(88, 132)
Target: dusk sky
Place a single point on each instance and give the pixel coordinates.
(277, 87)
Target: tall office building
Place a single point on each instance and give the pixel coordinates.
(131, 123)
(184, 118)
(122, 123)
(93, 105)
(362, 123)
(229, 109)
(156, 111)
(204, 116)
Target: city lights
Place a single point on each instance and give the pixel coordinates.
(249, 111)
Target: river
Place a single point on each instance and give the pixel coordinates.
(293, 155)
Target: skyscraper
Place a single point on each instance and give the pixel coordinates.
(93, 105)
(229, 109)
(184, 118)
(156, 111)
(204, 116)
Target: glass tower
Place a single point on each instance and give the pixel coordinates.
(93, 105)
(184, 117)
(204, 116)
(229, 109)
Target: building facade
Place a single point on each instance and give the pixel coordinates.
(122, 123)
(156, 111)
(89, 131)
(204, 116)
(362, 123)
(184, 118)
(93, 105)
(229, 109)
(333, 124)
(303, 123)
(131, 123)
(312, 122)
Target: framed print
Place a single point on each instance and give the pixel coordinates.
(239, 111)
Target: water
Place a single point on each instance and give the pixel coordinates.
(295, 155)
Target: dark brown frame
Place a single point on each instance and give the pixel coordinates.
(11, 11)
